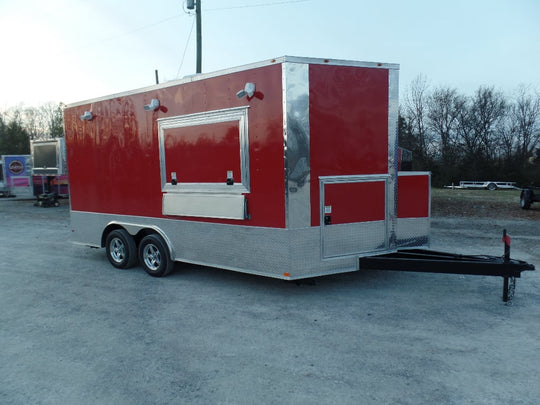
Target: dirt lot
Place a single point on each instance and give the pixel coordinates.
(75, 330)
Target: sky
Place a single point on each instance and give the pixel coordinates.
(74, 50)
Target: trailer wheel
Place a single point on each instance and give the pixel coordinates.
(525, 199)
(154, 256)
(492, 186)
(121, 249)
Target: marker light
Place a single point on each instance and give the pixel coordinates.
(249, 91)
(153, 106)
(87, 116)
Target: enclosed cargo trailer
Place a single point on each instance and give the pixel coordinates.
(284, 168)
(49, 167)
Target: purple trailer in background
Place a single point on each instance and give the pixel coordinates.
(15, 175)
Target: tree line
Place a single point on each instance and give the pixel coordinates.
(484, 137)
(19, 125)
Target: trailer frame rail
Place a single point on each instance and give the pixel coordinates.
(428, 261)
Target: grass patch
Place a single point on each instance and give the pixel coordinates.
(502, 204)
(508, 196)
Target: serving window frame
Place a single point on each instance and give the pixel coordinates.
(239, 114)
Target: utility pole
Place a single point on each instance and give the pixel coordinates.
(196, 4)
(199, 37)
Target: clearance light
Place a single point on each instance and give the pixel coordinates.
(249, 91)
(153, 106)
(87, 116)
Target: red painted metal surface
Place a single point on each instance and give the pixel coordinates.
(203, 153)
(114, 159)
(413, 196)
(356, 202)
(348, 112)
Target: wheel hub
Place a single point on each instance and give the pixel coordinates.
(118, 250)
(152, 257)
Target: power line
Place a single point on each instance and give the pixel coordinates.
(141, 28)
(274, 3)
(185, 49)
(98, 41)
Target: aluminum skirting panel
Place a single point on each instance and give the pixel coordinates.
(272, 252)
(412, 232)
(357, 238)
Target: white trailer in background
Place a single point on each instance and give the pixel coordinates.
(487, 185)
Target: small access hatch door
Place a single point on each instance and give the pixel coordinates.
(354, 215)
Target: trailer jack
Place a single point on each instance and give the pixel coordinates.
(427, 261)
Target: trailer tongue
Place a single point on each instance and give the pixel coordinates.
(427, 261)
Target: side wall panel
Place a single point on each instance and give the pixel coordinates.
(348, 125)
(413, 195)
(114, 158)
(414, 209)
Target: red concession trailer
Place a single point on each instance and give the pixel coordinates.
(285, 168)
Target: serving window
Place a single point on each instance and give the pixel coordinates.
(204, 163)
(207, 152)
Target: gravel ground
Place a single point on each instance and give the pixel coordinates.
(75, 330)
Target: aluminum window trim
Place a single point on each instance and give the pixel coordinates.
(239, 114)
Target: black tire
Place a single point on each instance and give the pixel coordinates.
(154, 256)
(492, 186)
(525, 199)
(121, 249)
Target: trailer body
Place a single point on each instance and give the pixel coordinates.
(49, 167)
(285, 168)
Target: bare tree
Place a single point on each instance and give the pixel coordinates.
(488, 108)
(415, 114)
(525, 117)
(445, 105)
(507, 130)
(468, 139)
(32, 123)
(42, 122)
(483, 136)
(52, 119)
